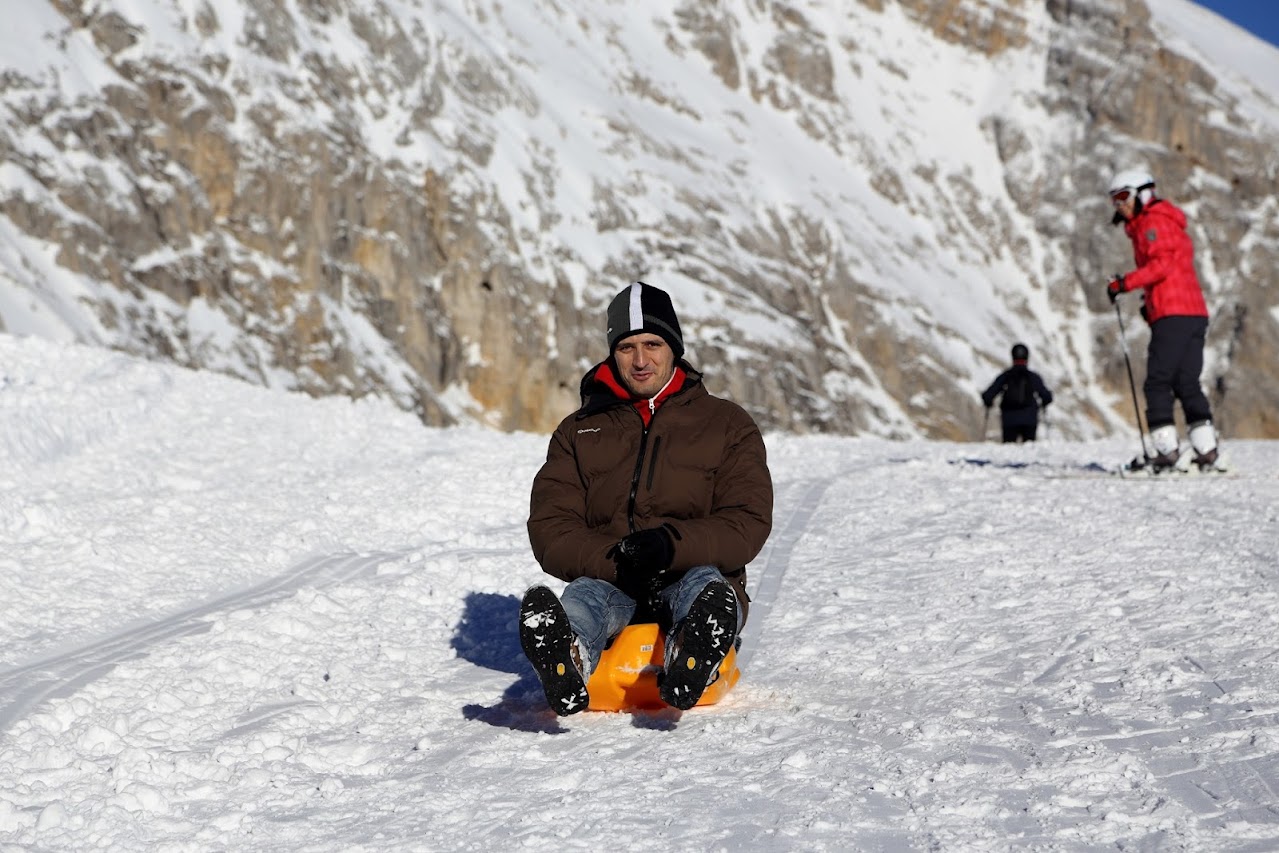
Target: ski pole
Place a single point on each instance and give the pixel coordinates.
(1132, 385)
(985, 424)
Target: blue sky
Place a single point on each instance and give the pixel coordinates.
(1261, 17)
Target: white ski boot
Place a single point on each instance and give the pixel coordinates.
(1207, 455)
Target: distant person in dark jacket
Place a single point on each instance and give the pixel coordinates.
(1022, 394)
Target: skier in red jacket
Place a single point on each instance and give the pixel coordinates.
(1175, 309)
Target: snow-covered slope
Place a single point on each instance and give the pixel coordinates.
(234, 618)
(859, 207)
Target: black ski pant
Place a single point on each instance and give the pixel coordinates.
(1019, 432)
(1019, 424)
(1174, 360)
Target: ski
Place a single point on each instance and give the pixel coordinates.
(1137, 469)
(1187, 464)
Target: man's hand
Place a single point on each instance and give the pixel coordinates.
(1115, 287)
(642, 557)
(653, 549)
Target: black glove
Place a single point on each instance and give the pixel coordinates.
(653, 549)
(642, 557)
(1115, 287)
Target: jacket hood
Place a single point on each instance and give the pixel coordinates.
(1163, 210)
(1158, 206)
(600, 389)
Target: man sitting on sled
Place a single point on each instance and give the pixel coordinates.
(653, 498)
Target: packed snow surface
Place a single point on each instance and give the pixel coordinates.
(240, 619)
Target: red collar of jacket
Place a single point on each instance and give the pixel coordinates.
(1158, 209)
(646, 406)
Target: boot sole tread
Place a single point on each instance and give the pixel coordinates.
(547, 641)
(709, 632)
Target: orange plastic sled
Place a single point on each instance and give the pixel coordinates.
(626, 677)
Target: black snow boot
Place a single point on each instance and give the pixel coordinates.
(695, 651)
(550, 646)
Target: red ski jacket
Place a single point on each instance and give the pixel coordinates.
(1165, 260)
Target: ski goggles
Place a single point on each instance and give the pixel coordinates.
(1120, 197)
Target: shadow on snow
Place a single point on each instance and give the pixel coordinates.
(486, 635)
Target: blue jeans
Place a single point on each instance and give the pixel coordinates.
(598, 611)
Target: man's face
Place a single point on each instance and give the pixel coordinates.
(1124, 202)
(646, 363)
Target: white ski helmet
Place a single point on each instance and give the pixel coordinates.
(1133, 180)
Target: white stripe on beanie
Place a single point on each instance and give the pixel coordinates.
(637, 306)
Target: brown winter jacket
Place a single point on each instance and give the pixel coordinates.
(701, 467)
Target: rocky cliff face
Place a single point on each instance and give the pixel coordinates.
(857, 209)
(1130, 93)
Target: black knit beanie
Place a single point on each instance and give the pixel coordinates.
(643, 308)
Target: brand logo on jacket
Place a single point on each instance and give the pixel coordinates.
(593, 429)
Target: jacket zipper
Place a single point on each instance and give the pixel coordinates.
(652, 463)
(639, 462)
(635, 479)
(639, 465)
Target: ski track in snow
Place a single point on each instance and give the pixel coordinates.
(22, 688)
(951, 647)
(797, 502)
(1042, 726)
(25, 687)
